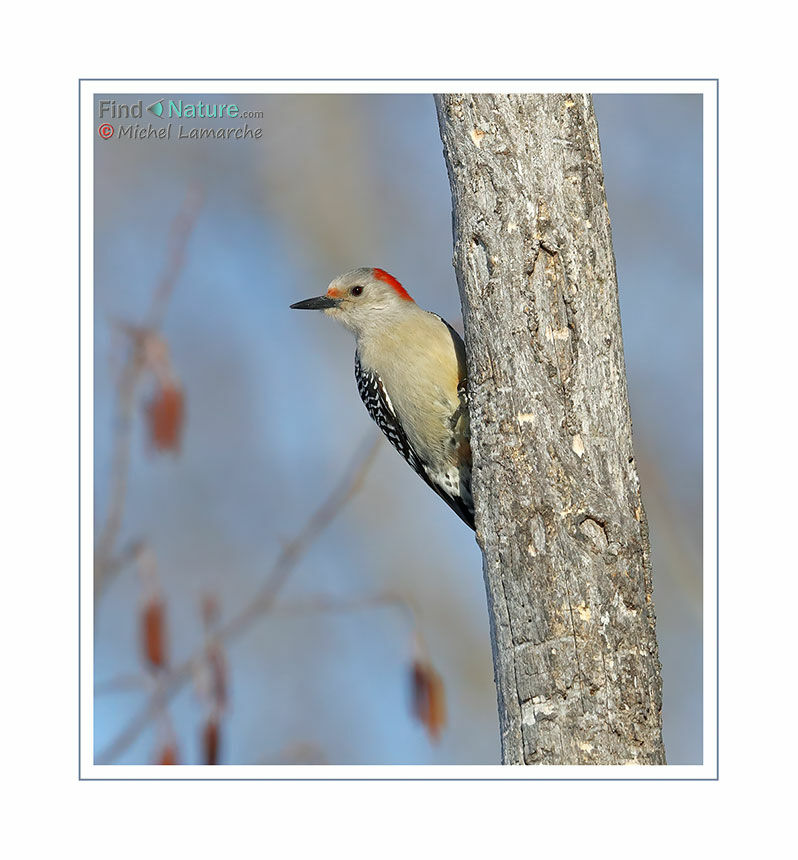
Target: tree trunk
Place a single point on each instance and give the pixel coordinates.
(558, 509)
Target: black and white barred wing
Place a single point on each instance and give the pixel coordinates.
(379, 406)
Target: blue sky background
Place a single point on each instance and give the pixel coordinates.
(273, 416)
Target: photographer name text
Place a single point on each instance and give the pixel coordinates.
(139, 131)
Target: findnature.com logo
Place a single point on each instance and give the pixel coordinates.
(166, 108)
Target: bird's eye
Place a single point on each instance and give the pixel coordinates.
(356, 291)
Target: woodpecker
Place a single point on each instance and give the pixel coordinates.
(410, 370)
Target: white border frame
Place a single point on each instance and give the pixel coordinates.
(88, 122)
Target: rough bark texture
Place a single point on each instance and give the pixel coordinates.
(559, 514)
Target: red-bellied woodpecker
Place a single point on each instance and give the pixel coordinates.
(411, 374)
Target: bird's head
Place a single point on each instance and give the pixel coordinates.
(360, 298)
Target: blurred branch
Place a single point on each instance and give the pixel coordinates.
(211, 682)
(386, 599)
(173, 679)
(119, 562)
(428, 704)
(332, 604)
(123, 684)
(179, 233)
(119, 471)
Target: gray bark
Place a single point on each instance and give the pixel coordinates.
(558, 508)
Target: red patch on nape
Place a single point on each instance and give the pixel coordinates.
(382, 275)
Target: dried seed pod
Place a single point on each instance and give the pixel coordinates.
(168, 754)
(165, 417)
(153, 632)
(210, 741)
(428, 698)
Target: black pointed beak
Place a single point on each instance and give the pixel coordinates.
(320, 303)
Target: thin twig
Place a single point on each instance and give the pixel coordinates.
(127, 556)
(123, 684)
(386, 599)
(179, 234)
(322, 604)
(119, 470)
(263, 600)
